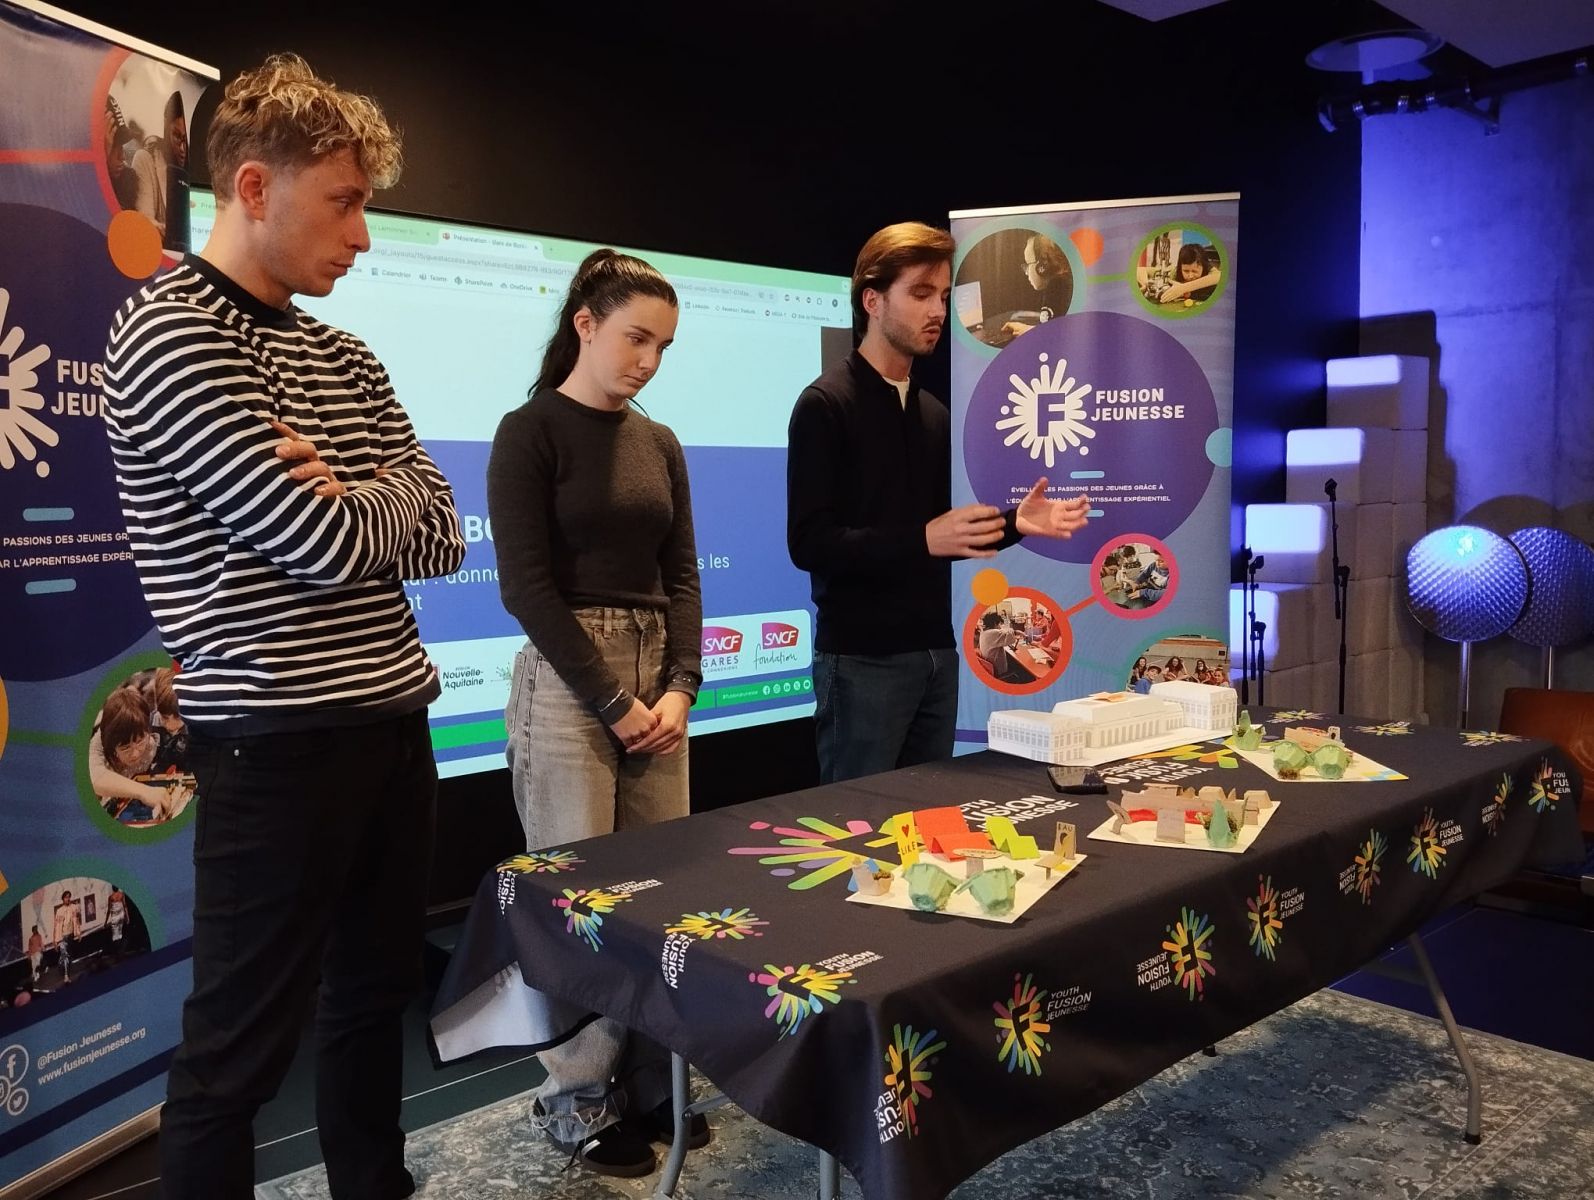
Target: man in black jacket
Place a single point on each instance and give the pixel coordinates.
(869, 517)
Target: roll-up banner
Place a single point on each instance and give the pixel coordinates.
(96, 806)
(1093, 344)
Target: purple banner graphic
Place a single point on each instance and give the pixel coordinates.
(96, 882)
(1093, 346)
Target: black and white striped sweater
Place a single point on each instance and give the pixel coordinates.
(284, 610)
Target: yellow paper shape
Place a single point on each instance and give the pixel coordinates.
(1000, 830)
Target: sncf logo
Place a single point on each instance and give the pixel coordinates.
(779, 636)
(717, 639)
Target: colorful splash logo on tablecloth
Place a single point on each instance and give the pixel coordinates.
(1494, 810)
(542, 862)
(1541, 795)
(585, 910)
(1367, 864)
(735, 924)
(1295, 714)
(909, 1059)
(797, 993)
(824, 850)
(1220, 756)
(1475, 738)
(1262, 915)
(1021, 1027)
(1426, 855)
(1388, 729)
(1189, 947)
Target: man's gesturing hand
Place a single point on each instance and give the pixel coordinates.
(965, 532)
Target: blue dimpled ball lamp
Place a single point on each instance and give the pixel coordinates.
(1560, 607)
(1466, 584)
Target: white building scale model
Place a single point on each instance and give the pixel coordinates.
(1214, 709)
(1108, 719)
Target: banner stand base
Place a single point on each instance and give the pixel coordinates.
(91, 1154)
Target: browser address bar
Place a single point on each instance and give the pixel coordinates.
(442, 259)
(445, 260)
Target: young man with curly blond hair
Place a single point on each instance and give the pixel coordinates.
(276, 497)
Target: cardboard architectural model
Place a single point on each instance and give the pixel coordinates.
(1171, 803)
(1073, 729)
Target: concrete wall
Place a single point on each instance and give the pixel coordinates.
(1479, 252)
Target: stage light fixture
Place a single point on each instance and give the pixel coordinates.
(1560, 607)
(1466, 584)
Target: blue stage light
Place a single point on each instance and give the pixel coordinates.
(1466, 584)
(1560, 608)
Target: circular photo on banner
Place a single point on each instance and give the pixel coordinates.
(1098, 402)
(60, 934)
(1012, 280)
(136, 758)
(1019, 643)
(142, 131)
(1179, 270)
(1135, 577)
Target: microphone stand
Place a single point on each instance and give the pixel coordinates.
(1254, 627)
(1245, 634)
(1341, 586)
(1258, 628)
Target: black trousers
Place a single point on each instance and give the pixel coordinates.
(311, 857)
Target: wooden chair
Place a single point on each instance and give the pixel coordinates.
(1565, 718)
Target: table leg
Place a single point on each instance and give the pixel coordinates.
(1424, 974)
(679, 1099)
(1474, 1133)
(829, 1177)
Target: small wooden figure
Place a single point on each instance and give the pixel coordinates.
(1120, 816)
(1170, 824)
(1065, 847)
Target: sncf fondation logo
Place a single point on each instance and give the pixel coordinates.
(783, 643)
(777, 635)
(780, 648)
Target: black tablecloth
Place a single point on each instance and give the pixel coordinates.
(918, 1047)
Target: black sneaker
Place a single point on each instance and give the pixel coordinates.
(613, 1150)
(659, 1125)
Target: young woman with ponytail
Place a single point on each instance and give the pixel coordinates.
(592, 524)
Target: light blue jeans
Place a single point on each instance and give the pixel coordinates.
(878, 712)
(573, 780)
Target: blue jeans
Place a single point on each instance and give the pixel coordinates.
(573, 780)
(878, 712)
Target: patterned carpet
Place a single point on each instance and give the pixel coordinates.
(1334, 1097)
